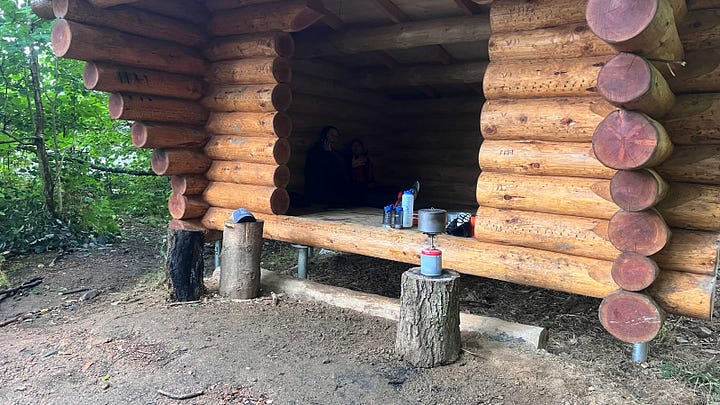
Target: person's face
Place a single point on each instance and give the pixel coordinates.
(333, 137)
(357, 148)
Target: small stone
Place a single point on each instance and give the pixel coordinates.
(105, 385)
(704, 332)
(326, 361)
(88, 295)
(681, 339)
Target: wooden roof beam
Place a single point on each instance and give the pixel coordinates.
(423, 75)
(392, 11)
(399, 36)
(469, 7)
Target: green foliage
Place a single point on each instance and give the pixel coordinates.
(80, 139)
(704, 377)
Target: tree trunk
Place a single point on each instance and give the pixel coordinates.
(628, 140)
(631, 82)
(184, 265)
(428, 329)
(46, 176)
(240, 260)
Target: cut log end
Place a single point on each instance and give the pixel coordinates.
(282, 97)
(61, 37)
(631, 317)
(188, 184)
(90, 75)
(283, 125)
(60, 8)
(281, 178)
(279, 201)
(627, 140)
(160, 162)
(625, 78)
(637, 190)
(619, 21)
(116, 105)
(282, 71)
(634, 272)
(281, 151)
(643, 232)
(139, 134)
(284, 44)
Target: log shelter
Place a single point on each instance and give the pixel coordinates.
(585, 139)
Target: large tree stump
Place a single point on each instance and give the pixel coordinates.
(184, 264)
(428, 331)
(240, 260)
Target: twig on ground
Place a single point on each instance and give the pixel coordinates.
(12, 291)
(471, 353)
(8, 321)
(180, 397)
(75, 291)
(175, 304)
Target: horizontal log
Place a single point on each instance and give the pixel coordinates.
(631, 317)
(217, 5)
(114, 78)
(693, 164)
(249, 173)
(637, 190)
(631, 82)
(155, 135)
(412, 34)
(142, 107)
(256, 199)
(688, 251)
(170, 162)
(575, 236)
(629, 140)
(191, 184)
(186, 207)
(423, 75)
(334, 110)
(260, 45)
(646, 28)
(442, 105)
(702, 4)
(542, 158)
(131, 21)
(110, 3)
(700, 30)
(459, 122)
(187, 10)
(268, 151)
(694, 120)
(289, 16)
(250, 71)
(526, 266)
(313, 122)
(272, 124)
(209, 235)
(574, 77)
(249, 98)
(642, 232)
(565, 41)
(322, 69)
(692, 206)
(701, 74)
(42, 9)
(321, 87)
(521, 15)
(570, 119)
(77, 41)
(570, 195)
(634, 272)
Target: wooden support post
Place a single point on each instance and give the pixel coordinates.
(240, 260)
(428, 331)
(184, 264)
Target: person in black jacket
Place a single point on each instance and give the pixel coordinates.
(327, 171)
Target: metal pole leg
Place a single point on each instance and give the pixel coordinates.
(640, 352)
(302, 260)
(218, 248)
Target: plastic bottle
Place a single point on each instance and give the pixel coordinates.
(387, 216)
(408, 202)
(398, 218)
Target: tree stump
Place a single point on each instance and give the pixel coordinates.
(240, 260)
(184, 265)
(428, 331)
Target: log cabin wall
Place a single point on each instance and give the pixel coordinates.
(208, 86)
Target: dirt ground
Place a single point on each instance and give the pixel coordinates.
(127, 343)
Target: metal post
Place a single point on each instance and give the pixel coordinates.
(218, 248)
(640, 352)
(302, 260)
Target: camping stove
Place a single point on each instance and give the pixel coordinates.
(431, 221)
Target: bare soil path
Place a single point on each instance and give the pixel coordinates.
(126, 343)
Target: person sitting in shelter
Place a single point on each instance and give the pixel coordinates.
(362, 173)
(327, 175)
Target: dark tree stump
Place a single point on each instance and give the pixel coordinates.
(184, 265)
(240, 260)
(428, 331)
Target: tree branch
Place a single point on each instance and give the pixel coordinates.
(117, 170)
